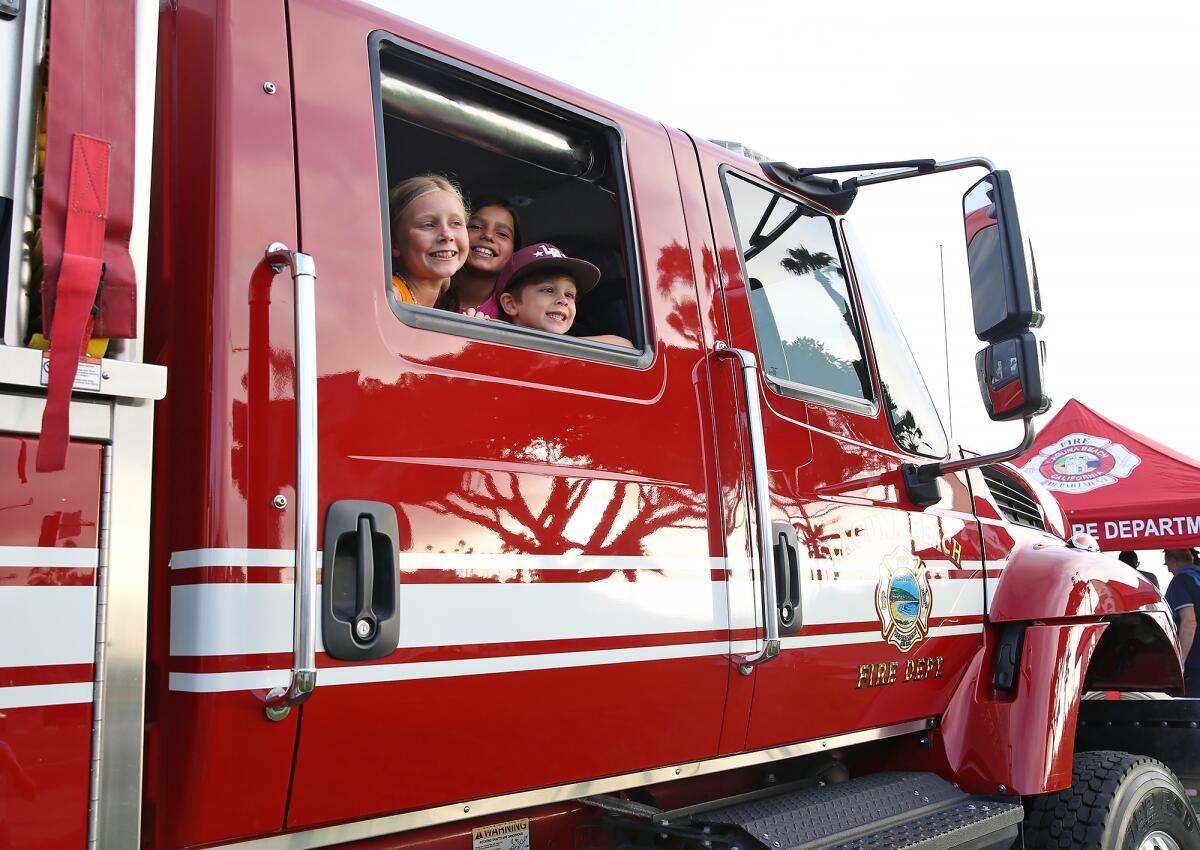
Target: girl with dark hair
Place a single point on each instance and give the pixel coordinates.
(494, 232)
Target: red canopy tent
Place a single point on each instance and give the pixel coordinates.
(1124, 489)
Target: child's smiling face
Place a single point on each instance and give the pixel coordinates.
(547, 303)
(430, 240)
(490, 230)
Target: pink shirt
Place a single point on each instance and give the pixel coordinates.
(489, 308)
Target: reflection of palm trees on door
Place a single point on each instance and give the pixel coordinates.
(823, 267)
(800, 261)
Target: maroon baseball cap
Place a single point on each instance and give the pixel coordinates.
(544, 257)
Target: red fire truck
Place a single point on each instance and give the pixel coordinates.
(285, 563)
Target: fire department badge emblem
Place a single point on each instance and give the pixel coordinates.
(1080, 462)
(903, 599)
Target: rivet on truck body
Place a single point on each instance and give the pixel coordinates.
(280, 501)
(269, 87)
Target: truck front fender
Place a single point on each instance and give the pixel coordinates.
(1084, 626)
(1020, 741)
(1047, 580)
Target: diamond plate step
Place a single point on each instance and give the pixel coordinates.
(905, 811)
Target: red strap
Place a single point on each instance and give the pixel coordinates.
(83, 248)
(91, 91)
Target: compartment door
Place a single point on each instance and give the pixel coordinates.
(48, 565)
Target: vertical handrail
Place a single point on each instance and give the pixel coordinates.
(762, 507)
(279, 701)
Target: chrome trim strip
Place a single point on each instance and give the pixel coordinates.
(116, 810)
(360, 830)
(762, 506)
(829, 398)
(120, 699)
(279, 701)
(101, 621)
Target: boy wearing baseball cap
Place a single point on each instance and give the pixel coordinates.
(537, 289)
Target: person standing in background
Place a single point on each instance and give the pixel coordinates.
(1183, 596)
(1131, 559)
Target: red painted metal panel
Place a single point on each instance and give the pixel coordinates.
(486, 449)
(981, 727)
(1047, 580)
(48, 509)
(466, 737)
(220, 319)
(45, 747)
(835, 476)
(728, 522)
(45, 758)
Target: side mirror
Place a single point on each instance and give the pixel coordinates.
(1010, 378)
(1002, 291)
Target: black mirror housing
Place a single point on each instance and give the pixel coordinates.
(1003, 293)
(1010, 378)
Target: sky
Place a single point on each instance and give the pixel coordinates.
(1093, 108)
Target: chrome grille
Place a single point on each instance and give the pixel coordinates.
(1015, 502)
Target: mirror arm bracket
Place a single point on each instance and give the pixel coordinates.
(920, 481)
(906, 171)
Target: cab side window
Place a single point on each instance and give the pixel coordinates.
(804, 319)
(561, 168)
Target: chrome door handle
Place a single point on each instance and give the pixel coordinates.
(279, 701)
(762, 507)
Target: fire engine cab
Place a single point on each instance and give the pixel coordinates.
(288, 563)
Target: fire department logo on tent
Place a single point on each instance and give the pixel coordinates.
(903, 599)
(1080, 462)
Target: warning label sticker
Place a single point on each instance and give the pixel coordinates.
(511, 835)
(86, 378)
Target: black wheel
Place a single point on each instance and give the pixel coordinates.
(1116, 801)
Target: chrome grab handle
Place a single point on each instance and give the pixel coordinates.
(279, 701)
(762, 507)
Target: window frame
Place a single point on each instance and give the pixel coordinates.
(782, 386)
(445, 321)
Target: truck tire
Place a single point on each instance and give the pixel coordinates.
(1117, 801)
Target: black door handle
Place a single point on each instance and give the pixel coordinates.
(360, 605)
(787, 577)
(365, 623)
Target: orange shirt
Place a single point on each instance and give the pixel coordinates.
(403, 293)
